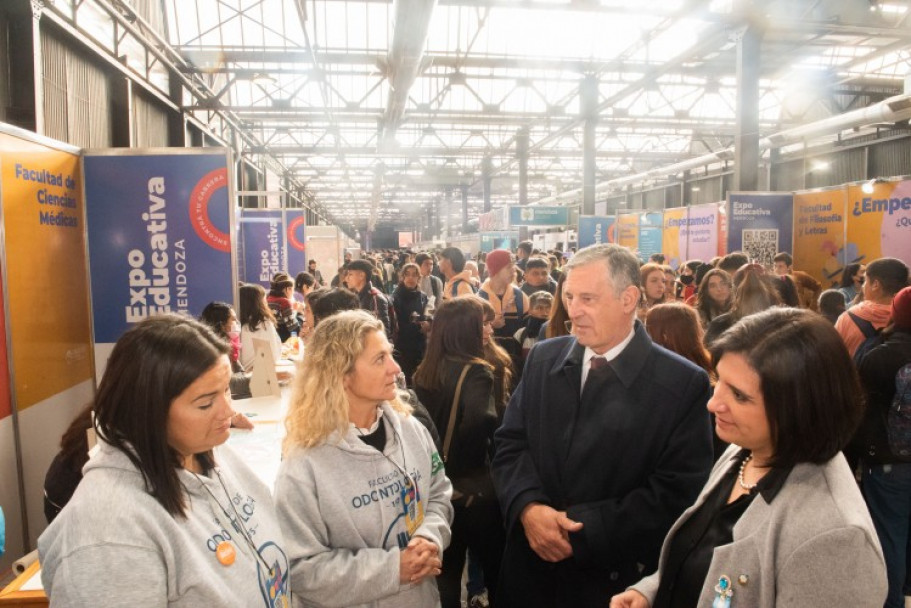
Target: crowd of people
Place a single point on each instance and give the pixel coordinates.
(522, 429)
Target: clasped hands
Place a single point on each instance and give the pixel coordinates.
(547, 531)
(417, 561)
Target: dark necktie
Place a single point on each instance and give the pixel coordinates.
(598, 363)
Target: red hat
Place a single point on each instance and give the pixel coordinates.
(497, 260)
(901, 309)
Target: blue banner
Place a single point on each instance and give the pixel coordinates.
(158, 236)
(651, 234)
(294, 237)
(261, 234)
(499, 240)
(760, 224)
(520, 215)
(595, 230)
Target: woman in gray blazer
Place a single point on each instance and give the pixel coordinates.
(781, 521)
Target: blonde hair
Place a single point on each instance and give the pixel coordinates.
(319, 406)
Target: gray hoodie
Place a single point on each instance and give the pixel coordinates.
(115, 545)
(341, 508)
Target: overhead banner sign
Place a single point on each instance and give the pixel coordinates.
(47, 295)
(261, 234)
(159, 228)
(760, 224)
(595, 230)
(521, 215)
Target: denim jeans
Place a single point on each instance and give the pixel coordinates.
(887, 490)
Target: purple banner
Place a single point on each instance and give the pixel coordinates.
(158, 236)
(701, 232)
(294, 237)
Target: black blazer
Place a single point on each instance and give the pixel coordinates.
(625, 458)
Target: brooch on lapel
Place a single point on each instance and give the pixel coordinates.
(723, 593)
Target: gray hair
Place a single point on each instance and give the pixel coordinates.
(621, 263)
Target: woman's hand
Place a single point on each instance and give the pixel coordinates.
(239, 421)
(629, 599)
(419, 560)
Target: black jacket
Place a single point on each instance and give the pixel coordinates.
(877, 369)
(625, 457)
(476, 417)
(407, 302)
(373, 300)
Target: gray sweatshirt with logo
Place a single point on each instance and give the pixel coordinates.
(115, 545)
(347, 509)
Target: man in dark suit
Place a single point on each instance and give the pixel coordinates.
(605, 442)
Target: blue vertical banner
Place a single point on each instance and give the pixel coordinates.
(159, 227)
(651, 234)
(760, 224)
(596, 230)
(296, 249)
(261, 234)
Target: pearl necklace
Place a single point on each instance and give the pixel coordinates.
(746, 486)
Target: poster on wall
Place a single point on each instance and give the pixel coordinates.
(760, 224)
(261, 236)
(673, 238)
(702, 232)
(879, 223)
(43, 224)
(500, 240)
(159, 226)
(650, 239)
(296, 250)
(595, 230)
(628, 230)
(819, 240)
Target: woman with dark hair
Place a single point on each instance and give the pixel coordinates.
(410, 304)
(65, 472)
(852, 282)
(713, 297)
(503, 371)
(221, 319)
(781, 521)
(256, 323)
(304, 283)
(753, 292)
(165, 514)
(456, 384)
(282, 306)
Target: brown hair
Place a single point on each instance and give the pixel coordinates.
(676, 327)
(457, 333)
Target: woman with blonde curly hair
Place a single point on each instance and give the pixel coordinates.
(361, 493)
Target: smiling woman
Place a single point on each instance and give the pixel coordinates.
(162, 490)
(781, 507)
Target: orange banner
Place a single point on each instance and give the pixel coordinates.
(44, 223)
(819, 235)
(673, 240)
(879, 222)
(628, 230)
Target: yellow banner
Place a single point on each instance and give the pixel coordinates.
(879, 222)
(628, 230)
(819, 234)
(44, 223)
(673, 244)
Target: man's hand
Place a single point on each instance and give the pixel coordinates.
(419, 560)
(548, 531)
(498, 321)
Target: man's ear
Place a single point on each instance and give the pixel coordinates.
(629, 298)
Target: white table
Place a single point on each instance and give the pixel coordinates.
(261, 448)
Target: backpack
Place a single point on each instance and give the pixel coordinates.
(871, 337)
(455, 288)
(898, 420)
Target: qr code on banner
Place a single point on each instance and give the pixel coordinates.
(761, 245)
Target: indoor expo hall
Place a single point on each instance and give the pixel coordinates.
(198, 156)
